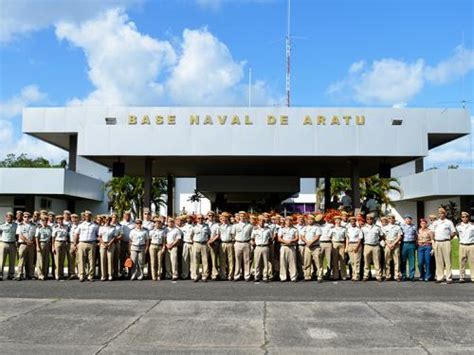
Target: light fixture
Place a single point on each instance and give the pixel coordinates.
(110, 120)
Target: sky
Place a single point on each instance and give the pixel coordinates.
(360, 53)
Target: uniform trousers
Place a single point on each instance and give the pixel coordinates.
(107, 261)
(443, 260)
(408, 254)
(86, 255)
(200, 257)
(424, 261)
(226, 258)
(8, 249)
(171, 261)
(354, 256)
(42, 260)
(186, 261)
(59, 257)
(156, 261)
(71, 260)
(372, 254)
(338, 260)
(326, 253)
(137, 254)
(466, 255)
(242, 259)
(300, 260)
(261, 257)
(214, 257)
(312, 254)
(275, 258)
(392, 254)
(288, 262)
(25, 261)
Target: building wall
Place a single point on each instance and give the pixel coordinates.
(431, 207)
(402, 208)
(52, 204)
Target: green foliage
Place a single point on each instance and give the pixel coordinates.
(196, 196)
(127, 194)
(452, 211)
(23, 161)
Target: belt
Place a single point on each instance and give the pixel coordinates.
(262, 245)
(325, 241)
(372, 245)
(201, 242)
(338, 241)
(466, 243)
(230, 242)
(60, 241)
(156, 244)
(441, 241)
(188, 242)
(353, 242)
(288, 246)
(411, 242)
(88, 242)
(242, 241)
(8, 242)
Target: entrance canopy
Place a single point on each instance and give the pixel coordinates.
(193, 141)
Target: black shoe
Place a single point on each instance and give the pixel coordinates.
(10, 278)
(17, 278)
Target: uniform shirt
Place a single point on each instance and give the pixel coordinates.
(273, 228)
(148, 225)
(87, 231)
(187, 231)
(44, 233)
(262, 236)
(242, 231)
(107, 233)
(127, 227)
(326, 232)
(443, 229)
(61, 233)
(392, 231)
(172, 235)
(214, 227)
(225, 232)
(201, 233)
(158, 235)
(300, 228)
(288, 233)
(311, 232)
(27, 230)
(372, 234)
(345, 224)
(8, 232)
(138, 237)
(338, 234)
(73, 231)
(409, 232)
(354, 234)
(466, 233)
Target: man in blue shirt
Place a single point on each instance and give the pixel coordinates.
(408, 248)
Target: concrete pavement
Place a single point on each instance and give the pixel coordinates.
(46, 326)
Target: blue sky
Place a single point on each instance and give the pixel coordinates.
(347, 53)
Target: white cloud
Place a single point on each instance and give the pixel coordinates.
(458, 152)
(19, 17)
(391, 81)
(123, 63)
(29, 95)
(217, 4)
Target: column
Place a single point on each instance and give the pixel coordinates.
(327, 192)
(419, 165)
(355, 186)
(147, 183)
(72, 152)
(170, 200)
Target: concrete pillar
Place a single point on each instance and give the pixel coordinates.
(419, 165)
(72, 152)
(327, 192)
(147, 183)
(355, 186)
(170, 199)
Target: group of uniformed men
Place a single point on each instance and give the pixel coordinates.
(233, 246)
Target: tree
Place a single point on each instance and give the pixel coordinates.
(452, 212)
(127, 194)
(23, 161)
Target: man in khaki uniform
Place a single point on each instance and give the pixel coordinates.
(226, 246)
(326, 244)
(43, 236)
(312, 252)
(338, 239)
(186, 258)
(8, 245)
(86, 242)
(200, 235)
(300, 226)
(241, 233)
(72, 253)
(60, 240)
(213, 244)
(157, 249)
(372, 234)
(261, 237)
(26, 250)
(288, 237)
(354, 239)
(393, 236)
(465, 230)
(173, 238)
(138, 248)
(444, 231)
(107, 235)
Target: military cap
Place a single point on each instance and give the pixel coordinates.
(67, 212)
(88, 212)
(319, 217)
(337, 217)
(441, 210)
(9, 214)
(465, 214)
(27, 214)
(75, 215)
(51, 213)
(408, 216)
(371, 215)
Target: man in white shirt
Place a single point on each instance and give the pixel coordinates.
(354, 239)
(86, 242)
(173, 238)
(157, 249)
(465, 230)
(213, 246)
(226, 246)
(338, 239)
(242, 234)
(372, 234)
(138, 247)
(288, 237)
(261, 238)
(312, 253)
(186, 258)
(26, 241)
(444, 231)
(200, 235)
